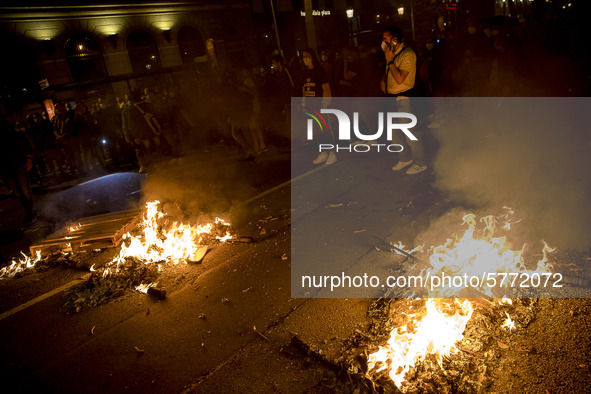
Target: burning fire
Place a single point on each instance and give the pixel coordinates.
(435, 332)
(481, 251)
(143, 288)
(157, 245)
(15, 266)
(509, 324)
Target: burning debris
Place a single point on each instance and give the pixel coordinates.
(162, 241)
(433, 333)
(424, 353)
(28, 264)
(17, 267)
(158, 243)
(481, 260)
(445, 344)
(99, 289)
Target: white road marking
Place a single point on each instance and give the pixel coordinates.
(85, 277)
(281, 185)
(43, 297)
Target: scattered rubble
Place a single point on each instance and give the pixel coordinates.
(469, 370)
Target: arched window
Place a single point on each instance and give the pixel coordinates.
(190, 44)
(19, 81)
(142, 52)
(85, 58)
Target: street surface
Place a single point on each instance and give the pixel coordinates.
(226, 323)
(136, 343)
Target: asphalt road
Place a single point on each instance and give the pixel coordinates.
(238, 297)
(95, 350)
(226, 323)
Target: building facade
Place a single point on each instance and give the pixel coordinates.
(72, 49)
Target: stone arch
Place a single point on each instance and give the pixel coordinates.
(191, 44)
(20, 72)
(143, 51)
(85, 58)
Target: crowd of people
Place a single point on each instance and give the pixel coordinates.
(120, 132)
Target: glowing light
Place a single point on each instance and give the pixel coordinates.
(164, 22)
(16, 267)
(479, 250)
(109, 29)
(350, 13)
(509, 324)
(42, 34)
(143, 288)
(433, 334)
(176, 243)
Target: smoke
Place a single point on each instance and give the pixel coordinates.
(530, 154)
(193, 190)
(110, 193)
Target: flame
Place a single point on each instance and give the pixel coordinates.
(543, 264)
(225, 237)
(479, 251)
(401, 246)
(434, 334)
(75, 228)
(158, 245)
(24, 263)
(509, 324)
(143, 288)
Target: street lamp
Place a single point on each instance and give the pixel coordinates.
(276, 29)
(400, 11)
(350, 14)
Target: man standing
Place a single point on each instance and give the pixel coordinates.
(316, 84)
(399, 82)
(284, 88)
(15, 162)
(139, 126)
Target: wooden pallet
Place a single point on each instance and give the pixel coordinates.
(93, 232)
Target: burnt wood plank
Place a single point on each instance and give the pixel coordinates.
(94, 232)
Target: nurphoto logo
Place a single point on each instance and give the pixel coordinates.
(392, 124)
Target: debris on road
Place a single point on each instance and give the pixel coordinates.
(90, 233)
(197, 257)
(157, 293)
(258, 332)
(241, 240)
(314, 352)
